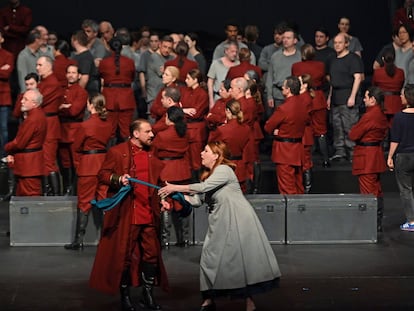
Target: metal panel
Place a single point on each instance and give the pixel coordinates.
(331, 218)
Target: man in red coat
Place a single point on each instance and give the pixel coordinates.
(52, 92)
(129, 251)
(71, 114)
(368, 160)
(287, 125)
(25, 150)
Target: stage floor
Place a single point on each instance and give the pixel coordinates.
(315, 277)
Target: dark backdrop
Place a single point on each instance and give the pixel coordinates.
(370, 19)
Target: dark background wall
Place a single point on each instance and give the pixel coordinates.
(370, 19)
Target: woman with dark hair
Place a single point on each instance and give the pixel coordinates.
(217, 114)
(118, 73)
(194, 51)
(390, 79)
(90, 144)
(237, 259)
(171, 147)
(182, 62)
(62, 61)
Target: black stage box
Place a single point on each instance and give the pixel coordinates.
(331, 218)
(48, 221)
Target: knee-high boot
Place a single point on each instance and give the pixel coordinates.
(54, 183)
(46, 188)
(148, 275)
(257, 174)
(380, 213)
(126, 302)
(323, 147)
(81, 223)
(165, 229)
(67, 180)
(307, 180)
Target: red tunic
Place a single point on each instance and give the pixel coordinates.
(19, 21)
(372, 127)
(239, 70)
(157, 110)
(113, 245)
(391, 86)
(60, 66)
(187, 65)
(196, 125)
(217, 114)
(6, 58)
(30, 135)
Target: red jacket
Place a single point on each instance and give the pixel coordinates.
(111, 253)
(239, 70)
(187, 65)
(290, 118)
(30, 135)
(372, 127)
(6, 58)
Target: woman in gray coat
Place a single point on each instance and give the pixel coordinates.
(237, 259)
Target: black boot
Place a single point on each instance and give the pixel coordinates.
(307, 180)
(380, 213)
(54, 183)
(81, 223)
(11, 181)
(126, 303)
(257, 173)
(46, 188)
(323, 147)
(148, 279)
(165, 229)
(67, 180)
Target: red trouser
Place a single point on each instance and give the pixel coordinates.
(121, 119)
(86, 192)
(49, 154)
(370, 184)
(289, 179)
(29, 186)
(308, 164)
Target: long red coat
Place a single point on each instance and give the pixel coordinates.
(392, 102)
(290, 118)
(30, 135)
(372, 127)
(110, 255)
(237, 137)
(6, 58)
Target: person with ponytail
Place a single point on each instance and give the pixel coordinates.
(237, 260)
(171, 147)
(118, 73)
(90, 144)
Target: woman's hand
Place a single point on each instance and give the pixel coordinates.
(166, 190)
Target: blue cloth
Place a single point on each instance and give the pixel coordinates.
(109, 203)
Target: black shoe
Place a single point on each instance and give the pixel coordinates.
(74, 246)
(326, 164)
(210, 307)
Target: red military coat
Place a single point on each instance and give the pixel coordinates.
(118, 98)
(172, 150)
(290, 118)
(157, 110)
(92, 134)
(17, 113)
(196, 98)
(60, 66)
(71, 118)
(372, 127)
(239, 70)
(30, 135)
(6, 58)
(391, 86)
(187, 65)
(52, 93)
(237, 137)
(306, 100)
(113, 245)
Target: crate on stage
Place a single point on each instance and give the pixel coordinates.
(270, 208)
(331, 218)
(48, 221)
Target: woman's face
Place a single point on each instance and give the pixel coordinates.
(208, 158)
(189, 42)
(167, 77)
(343, 25)
(190, 81)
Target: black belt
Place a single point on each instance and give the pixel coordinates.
(236, 157)
(287, 139)
(194, 120)
(29, 150)
(120, 85)
(391, 93)
(368, 143)
(69, 120)
(94, 151)
(171, 158)
(51, 114)
(318, 88)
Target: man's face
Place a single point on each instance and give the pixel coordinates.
(278, 38)
(285, 90)
(144, 134)
(43, 67)
(231, 32)
(231, 53)
(166, 48)
(106, 32)
(90, 33)
(165, 100)
(72, 74)
(321, 39)
(28, 102)
(289, 39)
(44, 34)
(30, 84)
(340, 44)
